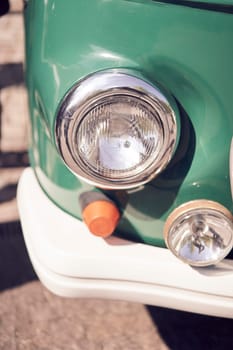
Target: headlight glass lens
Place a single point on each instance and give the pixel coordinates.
(201, 236)
(119, 137)
(116, 131)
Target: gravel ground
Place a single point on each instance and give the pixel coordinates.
(30, 316)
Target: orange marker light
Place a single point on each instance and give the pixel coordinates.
(101, 217)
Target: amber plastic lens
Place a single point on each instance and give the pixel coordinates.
(101, 217)
(119, 138)
(201, 236)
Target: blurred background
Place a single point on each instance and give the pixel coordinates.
(30, 316)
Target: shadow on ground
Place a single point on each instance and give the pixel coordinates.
(14, 159)
(184, 330)
(11, 74)
(15, 265)
(11, 160)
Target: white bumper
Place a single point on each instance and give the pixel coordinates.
(71, 262)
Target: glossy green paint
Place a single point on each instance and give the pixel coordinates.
(188, 2)
(186, 50)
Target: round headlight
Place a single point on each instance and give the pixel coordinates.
(115, 130)
(200, 232)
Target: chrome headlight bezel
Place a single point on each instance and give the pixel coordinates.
(93, 90)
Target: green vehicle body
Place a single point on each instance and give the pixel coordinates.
(184, 46)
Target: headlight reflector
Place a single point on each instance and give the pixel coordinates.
(115, 130)
(200, 232)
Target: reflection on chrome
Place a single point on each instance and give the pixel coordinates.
(120, 153)
(201, 237)
(116, 130)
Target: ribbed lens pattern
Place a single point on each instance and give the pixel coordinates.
(120, 137)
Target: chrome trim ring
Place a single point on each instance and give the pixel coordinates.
(94, 90)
